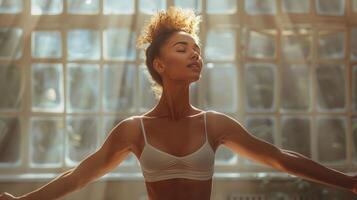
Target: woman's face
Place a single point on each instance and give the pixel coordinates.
(180, 59)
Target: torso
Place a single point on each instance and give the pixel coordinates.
(168, 136)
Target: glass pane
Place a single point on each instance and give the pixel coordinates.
(354, 88)
(330, 7)
(46, 7)
(216, 98)
(109, 124)
(10, 6)
(11, 87)
(83, 45)
(46, 142)
(119, 7)
(331, 46)
(194, 94)
(221, 7)
(331, 87)
(296, 47)
(224, 40)
(260, 83)
(83, 87)
(225, 156)
(331, 139)
(119, 44)
(11, 43)
(10, 140)
(148, 98)
(83, 6)
(296, 134)
(295, 87)
(81, 138)
(354, 139)
(260, 45)
(255, 7)
(47, 87)
(46, 44)
(263, 128)
(189, 4)
(293, 6)
(119, 87)
(354, 43)
(151, 6)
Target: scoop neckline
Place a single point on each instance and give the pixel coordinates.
(190, 116)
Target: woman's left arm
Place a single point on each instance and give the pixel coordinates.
(233, 135)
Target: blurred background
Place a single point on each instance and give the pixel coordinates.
(70, 71)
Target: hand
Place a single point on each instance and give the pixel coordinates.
(7, 196)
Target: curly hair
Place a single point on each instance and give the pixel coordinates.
(157, 31)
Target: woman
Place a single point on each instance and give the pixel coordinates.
(176, 142)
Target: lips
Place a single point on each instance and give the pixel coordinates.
(194, 65)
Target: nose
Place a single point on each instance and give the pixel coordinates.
(195, 55)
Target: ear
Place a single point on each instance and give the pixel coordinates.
(159, 67)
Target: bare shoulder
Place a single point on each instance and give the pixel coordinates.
(126, 131)
(219, 124)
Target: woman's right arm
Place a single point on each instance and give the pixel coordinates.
(115, 149)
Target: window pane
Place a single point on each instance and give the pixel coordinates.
(221, 7)
(224, 40)
(152, 6)
(354, 43)
(83, 6)
(354, 140)
(119, 44)
(216, 98)
(46, 44)
(330, 7)
(10, 6)
(225, 156)
(46, 7)
(147, 96)
(82, 87)
(259, 80)
(263, 128)
(293, 6)
(11, 43)
(194, 94)
(331, 46)
(109, 124)
(295, 87)
(255, 7)
(46, 142)
(331, 139)
(11, 87)
(119, 87)
(47, 87)
(296, 47)
(9, 140)
(81, 138)
(296, 134)
(354, 88)
(260, 45)
(83, 45)
(331, 87)
(189, 4)
(119, 7)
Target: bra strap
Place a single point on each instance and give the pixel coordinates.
(204, 116)
(143, 129)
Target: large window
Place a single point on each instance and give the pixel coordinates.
(69, 72)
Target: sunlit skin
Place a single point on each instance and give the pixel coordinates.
(176, 127)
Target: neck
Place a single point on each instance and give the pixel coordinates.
(174, 102)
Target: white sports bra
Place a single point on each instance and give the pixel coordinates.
(157, 165)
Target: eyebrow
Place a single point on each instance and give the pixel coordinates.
(186, 43)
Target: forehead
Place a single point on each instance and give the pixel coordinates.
(181, 36)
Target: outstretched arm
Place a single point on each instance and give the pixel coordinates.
(236, 137)
(114, 150)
